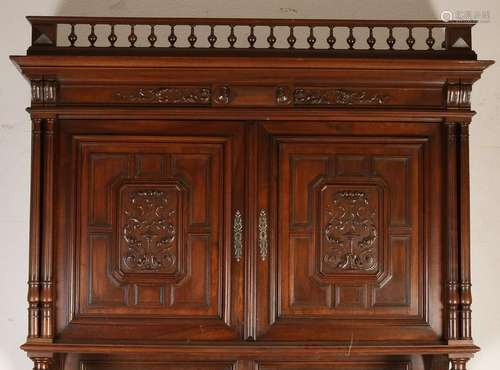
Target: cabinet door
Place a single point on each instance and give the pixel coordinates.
(145, 230)
(354, 219)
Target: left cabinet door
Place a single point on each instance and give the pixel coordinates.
(144, 232)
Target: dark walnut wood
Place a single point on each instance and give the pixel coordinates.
(272, 194)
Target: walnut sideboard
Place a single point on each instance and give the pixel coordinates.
(218, 194)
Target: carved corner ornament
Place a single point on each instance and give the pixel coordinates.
(43, 92)
(336, 96)
(283, 95)
(175, 95)
(222, 95)
(351, 233)
(458, 95)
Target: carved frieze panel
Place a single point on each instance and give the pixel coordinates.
(338, 96)
(176, 95)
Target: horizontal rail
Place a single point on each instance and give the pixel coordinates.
(96, 35)
(245, 21)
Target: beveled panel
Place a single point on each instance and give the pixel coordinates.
(351, 245)
(156, 241)
(346, 201)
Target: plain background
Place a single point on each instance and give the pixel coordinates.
(15, 139)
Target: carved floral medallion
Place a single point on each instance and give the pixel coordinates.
(149, 232)
(351, 233)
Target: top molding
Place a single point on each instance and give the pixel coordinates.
(247, 37)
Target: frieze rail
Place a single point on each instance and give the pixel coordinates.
(100, 35)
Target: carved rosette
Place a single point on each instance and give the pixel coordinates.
(351, 233)
(328, 96)
(149, 232)
(168, 95)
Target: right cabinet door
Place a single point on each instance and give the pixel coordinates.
(355, 242)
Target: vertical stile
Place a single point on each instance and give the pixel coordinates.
(331, 38)
(430, 39)
(72, 37)
(291, 38)
(271, 39)
(192, 37)
(464, 200)
(371, 39)
(351, 40)
(152, 38)
(232, 37)
(391, 40)
(410, 41)
(252, 39)
(112, 38)
(132, 38)
(46, 292)
(172, 38)
(212, 39)
(92, 36)
(311, 39)
(35, 235)
(451, 185)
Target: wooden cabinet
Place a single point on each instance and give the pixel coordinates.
(208, 207)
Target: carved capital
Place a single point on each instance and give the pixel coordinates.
(36, 125)
(43, 92)
(36, 92)
(459, 363)
(50, 92)
(49, 126)
(458, 95)
(42, 363)
(451, 132)
(464, 131)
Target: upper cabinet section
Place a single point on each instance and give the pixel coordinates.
(273, 64)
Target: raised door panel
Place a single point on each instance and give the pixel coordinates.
(152, 237)
(351, 243)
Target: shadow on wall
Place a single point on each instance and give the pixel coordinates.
(378, 9)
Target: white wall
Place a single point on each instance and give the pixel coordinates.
(15, 139)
